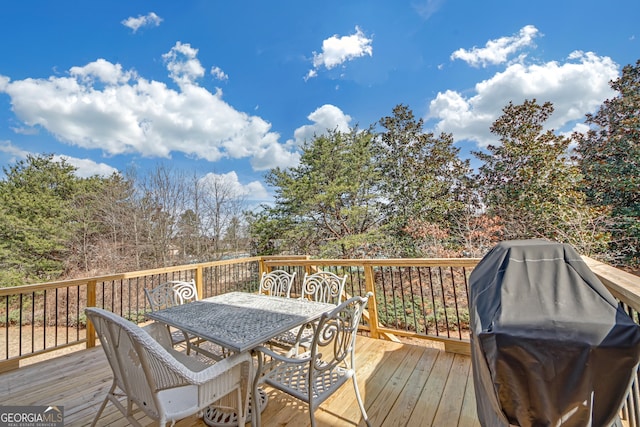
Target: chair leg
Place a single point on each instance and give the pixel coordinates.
(359, 399)
(104, 404)
(127, 412)
(241, 408)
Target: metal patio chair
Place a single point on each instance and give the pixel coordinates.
(315, 375)
(322, 286)
(178, 292)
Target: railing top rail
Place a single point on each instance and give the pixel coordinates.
(402, 262)
(119, 276)
(624, 286)
(280, 257)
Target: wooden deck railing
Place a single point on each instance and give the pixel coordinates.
(416, 298)
(40, 318)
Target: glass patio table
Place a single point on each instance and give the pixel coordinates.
(241, 321)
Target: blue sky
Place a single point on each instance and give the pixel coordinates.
(229, 89)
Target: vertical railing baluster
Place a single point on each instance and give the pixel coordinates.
(393, 294)
(67, 318)
(44, 319)
(423, 310)
(121, 296)
(413, 301)
(33, 322)
(455, 301)
(78, 313)
(6, 327)
(466, 283)
(55, 321)
(433, 301)
(20, 325)
(444, 302)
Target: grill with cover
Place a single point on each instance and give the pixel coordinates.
(550, 346)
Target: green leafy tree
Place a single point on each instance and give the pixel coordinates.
(328, 204)
(609, 157)
(529, 182)
(423, 182)
(267, 227)
(36, 218)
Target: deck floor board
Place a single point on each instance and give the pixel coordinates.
(401, 385)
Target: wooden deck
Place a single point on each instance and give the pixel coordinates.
(401, 384)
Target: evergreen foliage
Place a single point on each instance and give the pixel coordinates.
(328, 205)
(609, 157)
(36, 219)
(423, 182)
(529, 182)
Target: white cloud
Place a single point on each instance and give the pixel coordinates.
(575, 87)
(16, 153)
(148, 20)
(183, 64)
(85, 167)
(102, 70)
(338, 50)
(253, 191)
(102, 106)
(497, 51)
(326, 117)
(217, 73)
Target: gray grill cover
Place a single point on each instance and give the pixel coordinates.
(549, 344)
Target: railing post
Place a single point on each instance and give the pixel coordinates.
(261, 267)
(200, 282)
(372, 307)
(91, 302)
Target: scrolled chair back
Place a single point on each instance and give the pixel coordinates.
(277, 283)
(334, 342)
(185, 291)
(172, 293)
(323, 286)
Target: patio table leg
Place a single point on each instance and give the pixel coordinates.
(255, 409)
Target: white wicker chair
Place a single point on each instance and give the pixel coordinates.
(315, 375)
(276, 283)
(165, 384)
